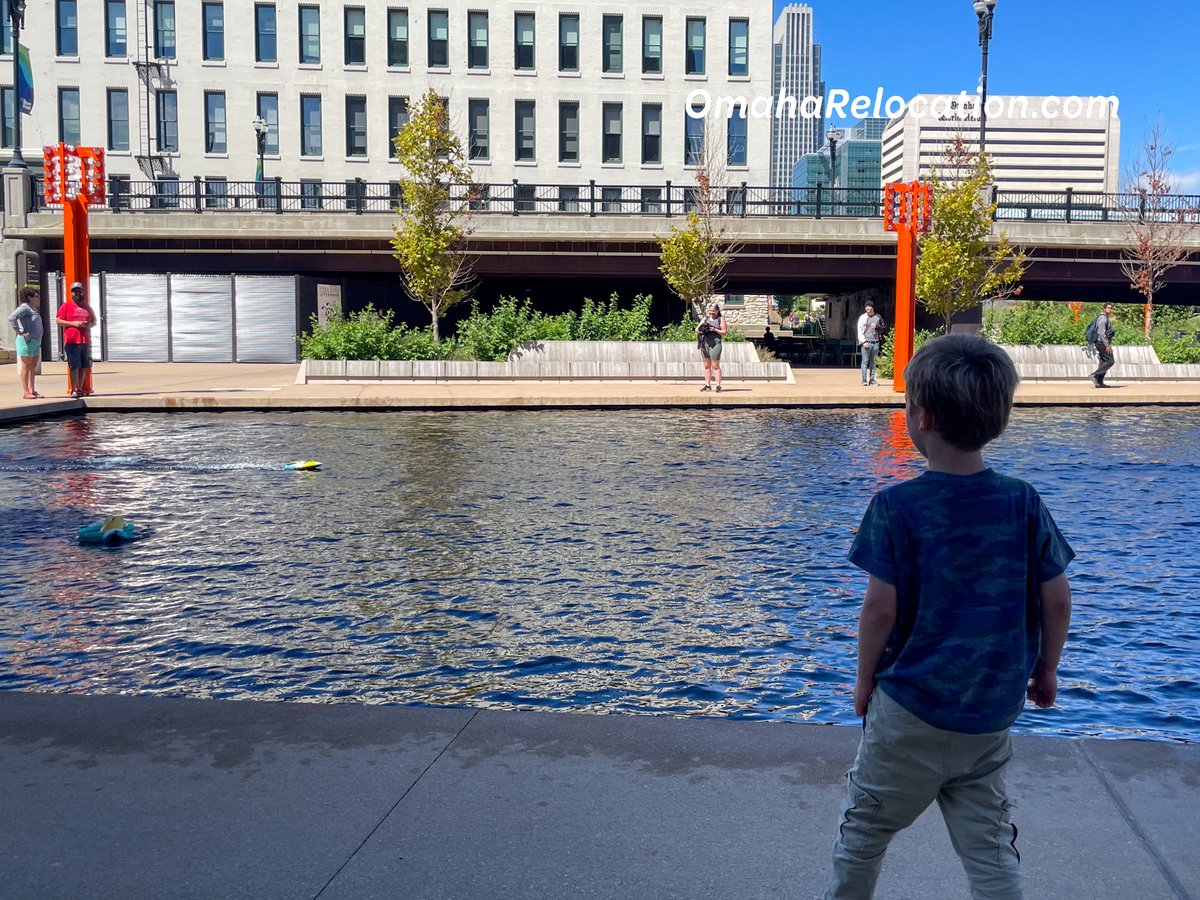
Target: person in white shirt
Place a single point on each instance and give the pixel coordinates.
(870, 331)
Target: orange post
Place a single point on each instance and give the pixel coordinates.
(906, 306)
(74, 177)
(77, 265)
(907, 210)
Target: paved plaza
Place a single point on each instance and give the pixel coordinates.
(138, 797)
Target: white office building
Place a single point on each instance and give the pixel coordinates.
(1037, 144)
(797, 74)
(544, 92)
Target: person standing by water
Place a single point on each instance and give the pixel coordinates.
(965, 614)
(76, 318)
(870, 331)
(710, 330)
(1103, 343)
(27, 322)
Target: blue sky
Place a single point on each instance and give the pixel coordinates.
(1143, 51)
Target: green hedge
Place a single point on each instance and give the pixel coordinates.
(885, 365)
(369, 334)
(490, 336)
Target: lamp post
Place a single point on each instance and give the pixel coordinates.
(984, 10)
(16, 13)
(833, 135)
(260, 133)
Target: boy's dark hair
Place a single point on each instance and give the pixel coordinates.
(966, 384)
(28, 293)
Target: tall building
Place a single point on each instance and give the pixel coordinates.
(857, 160)
(543, 92)
(1036, 143)
(797, 74)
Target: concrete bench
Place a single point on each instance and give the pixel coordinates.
(627, 352)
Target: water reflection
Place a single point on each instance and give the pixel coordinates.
(635, 562)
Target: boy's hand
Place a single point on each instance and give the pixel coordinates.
(1043, 686)
(863, 689)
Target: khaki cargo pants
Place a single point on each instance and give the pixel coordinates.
(903, 765)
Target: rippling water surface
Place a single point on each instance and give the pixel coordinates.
(688, 563)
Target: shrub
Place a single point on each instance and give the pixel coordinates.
(1040, 323)
(1177, 350)
(490, 336)
(369, 334)
(885, 365)
(608, 322)
(684, 330)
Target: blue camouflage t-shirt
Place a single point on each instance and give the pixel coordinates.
(967, 555)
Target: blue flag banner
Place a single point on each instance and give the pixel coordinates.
(25, 85)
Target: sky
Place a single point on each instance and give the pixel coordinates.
(1143, 51)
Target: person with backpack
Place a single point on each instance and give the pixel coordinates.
(1099, 334)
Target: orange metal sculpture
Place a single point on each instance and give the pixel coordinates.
(908, 211)
(1076, 306)
(74, 178)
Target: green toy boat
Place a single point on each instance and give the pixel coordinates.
(113, 530)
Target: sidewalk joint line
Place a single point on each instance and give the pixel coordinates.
(399, 800)
(1164, 867)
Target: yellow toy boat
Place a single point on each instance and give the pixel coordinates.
(303, 465)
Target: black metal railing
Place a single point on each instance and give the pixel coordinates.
(515, 198)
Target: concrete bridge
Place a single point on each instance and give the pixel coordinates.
(779, 253)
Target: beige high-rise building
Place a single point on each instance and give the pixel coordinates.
(1036, 143)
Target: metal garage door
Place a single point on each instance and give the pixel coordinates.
(136, 312)
(266, 318)
(201, 318)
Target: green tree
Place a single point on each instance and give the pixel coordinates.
(691, 263)
(436, 210)
(694, 257)
(959, 265)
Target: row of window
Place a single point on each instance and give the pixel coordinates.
(354, 30)
(479, 127)
(351, 195)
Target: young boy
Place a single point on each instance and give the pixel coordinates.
(966, 612)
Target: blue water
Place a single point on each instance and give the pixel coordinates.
(683, 563)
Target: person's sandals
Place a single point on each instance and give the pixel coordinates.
(33, 396)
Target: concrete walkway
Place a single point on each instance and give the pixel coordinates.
(172, 386)
(120, 797)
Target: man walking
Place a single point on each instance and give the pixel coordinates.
(870, 329)
(1104, 338)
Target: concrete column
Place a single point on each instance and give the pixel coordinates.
(18, 189)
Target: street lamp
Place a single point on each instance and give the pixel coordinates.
(984, 10)
(833, 135)
(16, 12)
(260, 132)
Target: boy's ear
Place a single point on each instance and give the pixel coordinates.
(924, 418)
